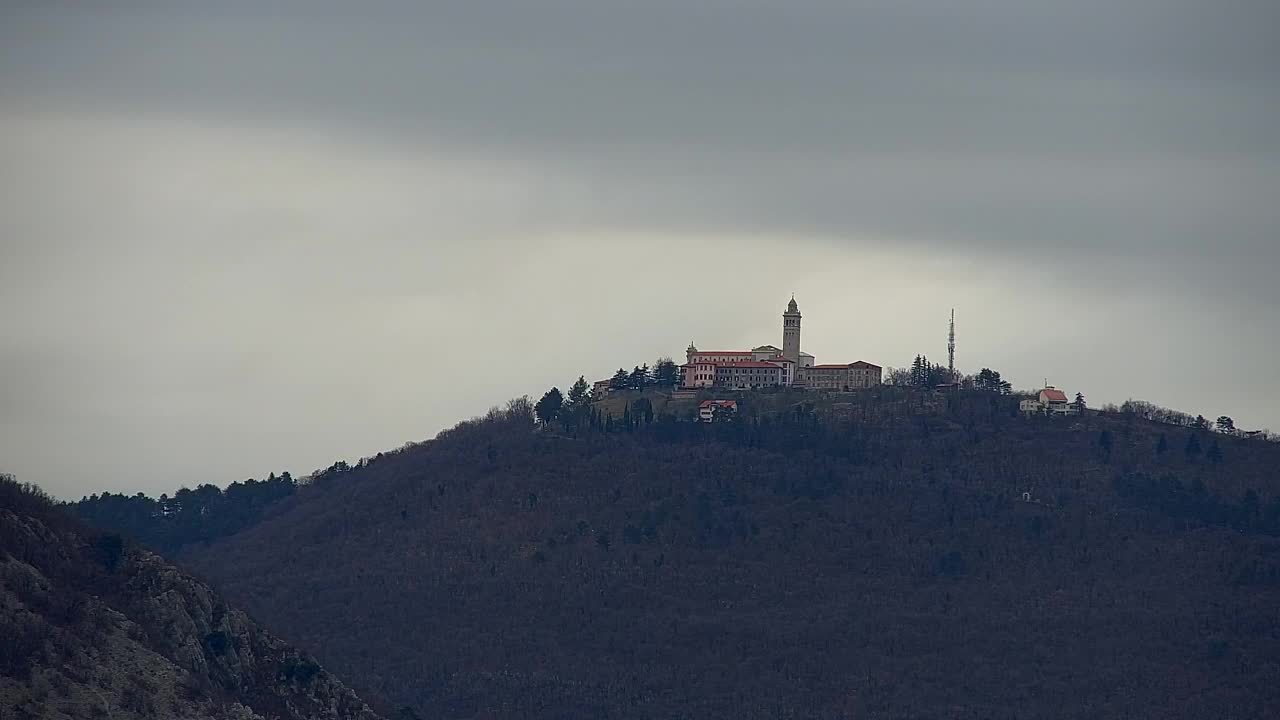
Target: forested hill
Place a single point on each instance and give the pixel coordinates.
(208, 512)
(93, 627)
(890, 555)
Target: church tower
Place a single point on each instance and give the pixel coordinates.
(791, 332)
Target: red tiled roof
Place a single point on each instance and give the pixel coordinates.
(829, 366)
(749, 364)
(721, 352)
(864, 365)
(860, 365)
(1054, 395)
(721, 403)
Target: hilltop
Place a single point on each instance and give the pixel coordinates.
(95, 627)
(883, 553)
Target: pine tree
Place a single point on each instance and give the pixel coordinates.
(1163, 445)
(917, 371)
(548, 408)
(1079, 403)
(579, 394)
(1215, 452)
(639, 378)
(577, 407)
(666, 373)
(619, 380)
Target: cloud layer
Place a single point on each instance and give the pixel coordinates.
(237, 240)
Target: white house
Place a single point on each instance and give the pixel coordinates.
(1050, 401)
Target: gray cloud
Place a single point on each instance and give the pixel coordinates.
(238, 239)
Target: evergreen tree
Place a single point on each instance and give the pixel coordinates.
(666, 373)
(577, 407)
(1163, 445)
(579, 394)
(1104, 442)
(990, 380)
(917, 371)
(619, 380)
(1193, 446)
(548, 408)
(1079, 403)
(639, 378)
(1226, 425)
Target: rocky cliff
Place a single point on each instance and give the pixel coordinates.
(96, 628)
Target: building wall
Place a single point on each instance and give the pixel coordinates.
(856, 376)
(728, 376)
(766, 352)
(700, 374)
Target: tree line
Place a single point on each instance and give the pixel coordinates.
(201, 514)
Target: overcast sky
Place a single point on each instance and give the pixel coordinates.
(241, 237)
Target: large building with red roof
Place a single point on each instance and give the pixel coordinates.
(770, 366)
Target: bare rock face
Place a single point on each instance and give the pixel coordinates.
(95, 628)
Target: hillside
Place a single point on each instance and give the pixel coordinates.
(93, 627)
(874, 554)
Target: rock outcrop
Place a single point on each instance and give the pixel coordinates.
(96, 628)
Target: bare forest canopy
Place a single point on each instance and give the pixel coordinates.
(888, 552)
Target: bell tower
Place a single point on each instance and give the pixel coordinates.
(791, 332)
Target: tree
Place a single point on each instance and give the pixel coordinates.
(619, 380)
(579, 394)
(1215, 452)
(1104, 442)
(1079, 404)
(578, 405)
(1163, 445)
(1226, 425)
(1193, 446)
(918, 371)
(990, 380)
(548, 408)
(1200, 423)
(900, 377)
(639, 378)
(666, 373)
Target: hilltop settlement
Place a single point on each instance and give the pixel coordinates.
(768, 367)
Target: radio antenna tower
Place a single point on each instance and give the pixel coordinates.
(951, 347)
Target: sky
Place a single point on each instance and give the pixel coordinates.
(246, 237)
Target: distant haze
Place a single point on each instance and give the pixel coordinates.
(236, 240)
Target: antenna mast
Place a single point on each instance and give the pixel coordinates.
(951, 347)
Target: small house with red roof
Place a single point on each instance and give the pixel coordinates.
(1049, 401)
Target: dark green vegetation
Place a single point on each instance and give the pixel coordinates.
(93, 627)
(190, 516)
(886, 553)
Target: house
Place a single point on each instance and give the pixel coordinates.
(1050, 401)
(707, 409)
(600, 388)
